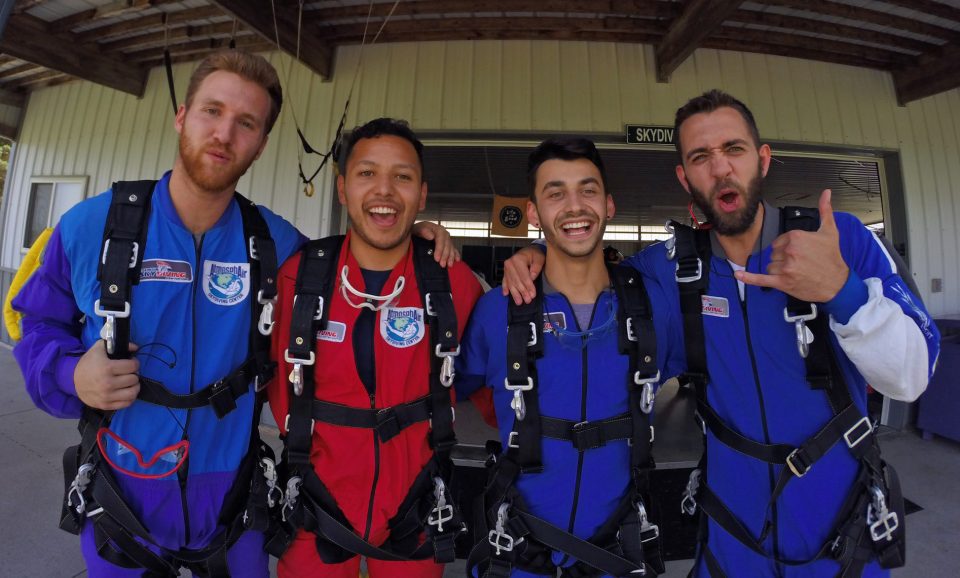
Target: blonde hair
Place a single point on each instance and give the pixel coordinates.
(248, 66)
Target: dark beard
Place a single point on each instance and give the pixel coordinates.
(737, 223)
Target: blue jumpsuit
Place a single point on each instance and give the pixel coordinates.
(758, 387)
(191, 318)
(576, 491)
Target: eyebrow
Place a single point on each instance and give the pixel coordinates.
(220, 104)
(729, 143)
(584, 181)
(376, 164)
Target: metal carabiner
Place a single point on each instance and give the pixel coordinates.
(443, 512)
(804, 335)
(270, 475)
(688, 505)
(265, 323)
(78, 486)
(290, 497)
(498, 537)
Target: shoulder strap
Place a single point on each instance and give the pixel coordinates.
(262, 256)
(524, 347)
(637, 340)
(314, 286)
(692, 251)
(441, 315)
(124, 235)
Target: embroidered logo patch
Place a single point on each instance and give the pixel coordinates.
(166, 270)
(335, 331)
(715, 306)
(402, 326)
(226, 283)
(554, 319)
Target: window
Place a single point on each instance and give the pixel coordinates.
(50, 197)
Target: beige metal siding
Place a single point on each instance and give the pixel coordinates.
(543, 86)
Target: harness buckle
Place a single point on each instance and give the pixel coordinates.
(804, 335)
(290, 497)
(109, 330)
(689, 277)
(882, 523)
(512, 440)
(252, 247)
(798, 466)
(688, 505)
(651, 531)
(533, 335)
(78, 486)
(443, 512)
(671, 243)
(519, 407)
(270, 475)
(863, 422)
(647, 395)
(135, 253)
(296, 374)
(446, 367)
(428, 304)
(265, 324)
(498, 537)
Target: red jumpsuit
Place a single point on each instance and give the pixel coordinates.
(368, 478)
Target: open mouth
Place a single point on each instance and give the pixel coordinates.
(728, 200)
(383, 216)
(576, 229)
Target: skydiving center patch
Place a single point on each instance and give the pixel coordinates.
(226, 283)
(715, 306)
(166, 270)
(402, 326)
(554, 319)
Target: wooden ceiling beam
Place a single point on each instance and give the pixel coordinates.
(887, 58)
(938, 9)
(258, 16)
(68, 23)
(21, 70)
(866, 15)
(194, 47)
(841, 31)
(789, 51)
(533, 27)
(431, 35)
(22, 6)
(43, 76)
(28, 38)
(151, 21)
(12, 98)
(931, 75)
(171, 37)
(700, 18)
(636, 8)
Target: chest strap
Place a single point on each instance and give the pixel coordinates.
(388, 422)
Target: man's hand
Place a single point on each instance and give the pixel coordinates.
(104, 383)
(443, 250)
(519, 272)
(806, 265)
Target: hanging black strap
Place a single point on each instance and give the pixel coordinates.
(693, 252)
(124, 236)
(168, 66)
(524, 348)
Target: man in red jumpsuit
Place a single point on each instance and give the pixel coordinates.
(375, 350)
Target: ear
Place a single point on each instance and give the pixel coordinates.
(611, 207)
(533, 215)
(179, 118)
(682, 177)
(423, 196)
(765, 157)
(341, 195)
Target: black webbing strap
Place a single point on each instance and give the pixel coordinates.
(693, 252)
(124, 236)
(262, 256)
(388, 421)
(524, 347)
(315, 281)
(587, 435)
(221, 395)
(441, 317)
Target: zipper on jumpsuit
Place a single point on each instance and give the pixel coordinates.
(376, 469)
(185, 468)
(583, 414)
(763, 417)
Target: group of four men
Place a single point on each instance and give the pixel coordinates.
(355, 340)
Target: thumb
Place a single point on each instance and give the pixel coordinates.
(827, 222)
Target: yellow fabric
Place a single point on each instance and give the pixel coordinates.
(31, 261)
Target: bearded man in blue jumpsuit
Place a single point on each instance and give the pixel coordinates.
(756, 379)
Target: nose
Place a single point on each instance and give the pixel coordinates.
(223, 129)
(720, 165)
(384, 184)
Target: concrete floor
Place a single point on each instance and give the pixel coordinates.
(32, 443)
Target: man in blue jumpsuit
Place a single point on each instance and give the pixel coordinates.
(191, 317)
(582, 376)
(756, 381)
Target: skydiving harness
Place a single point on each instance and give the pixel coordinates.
(627, 543)
(308, 504)
(870, 521)
(92, 492)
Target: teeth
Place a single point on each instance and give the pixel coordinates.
(576, 225)
(383, 211)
